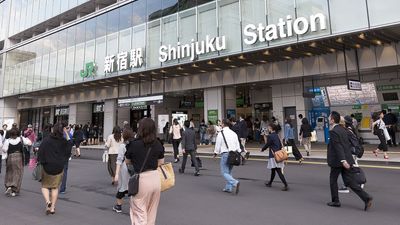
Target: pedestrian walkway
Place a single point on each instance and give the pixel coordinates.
(318, 152)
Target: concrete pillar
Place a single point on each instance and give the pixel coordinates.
(72, 113)
(8, 111)
(214, 100)
(83, 113)
(124, 114)
(230, 101)
(110, 114)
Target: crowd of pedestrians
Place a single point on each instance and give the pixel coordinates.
(142, 152)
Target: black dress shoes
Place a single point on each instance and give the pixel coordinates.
(334, 204)
(368, 204)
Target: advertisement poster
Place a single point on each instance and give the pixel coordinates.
(162, 120)
(212, 115)
(230, 113)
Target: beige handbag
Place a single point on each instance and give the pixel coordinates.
(167, 176)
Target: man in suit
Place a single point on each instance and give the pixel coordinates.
(340, 160)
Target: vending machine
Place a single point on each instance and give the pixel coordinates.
(319, 119)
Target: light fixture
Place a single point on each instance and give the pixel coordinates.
(332, 50)
(266, 52)
(287, 57)
(227, 59)
(163, 71)
(194, 65)
(120, 78)
(202, 71)
(142, 75)
(177, 75)
(289, 49)
(340, 40)
(185, 74)
(85, 85)
(131, 76)
(362, 36)
(232, 66)
(250, 64)
(210, 62)
(313, 44)
(241, 57)
(378, 42)
(263, 61)
(153, 72)
(308, 53)
(217, 68)
(180, 68)
(357, 45)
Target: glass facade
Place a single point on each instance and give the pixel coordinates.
(59, 58)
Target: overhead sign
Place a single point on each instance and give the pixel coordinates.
(389, 87)
(140, 101)
(123, 62)
(354, 85)
(284, 29)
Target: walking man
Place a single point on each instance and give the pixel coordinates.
(243, 133)
(227, 141)
(189, 147)
(340, 161)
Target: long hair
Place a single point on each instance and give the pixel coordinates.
(147, 130)
(128, 134)
(117, 133)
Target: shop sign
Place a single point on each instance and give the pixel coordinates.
(389, 87)
(199, 104)
(89, 71)
(140, 101)
(121, 62)
(395, 108)
(284, 29)
(98, 108)
(354, 85)
(192, 50)
(62, 111)
(356, 107)
(212, 115)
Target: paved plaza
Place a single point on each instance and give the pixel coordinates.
(200, 201)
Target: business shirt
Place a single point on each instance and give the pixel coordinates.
(231, 139)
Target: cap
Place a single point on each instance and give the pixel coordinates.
(348, 120)
(30, 126)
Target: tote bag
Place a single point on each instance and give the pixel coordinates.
(167, 176)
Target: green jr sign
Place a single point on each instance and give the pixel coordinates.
(89, 71)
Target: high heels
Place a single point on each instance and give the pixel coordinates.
(48, 206)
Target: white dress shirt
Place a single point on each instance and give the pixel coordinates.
(231, 139)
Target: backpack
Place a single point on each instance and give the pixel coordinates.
(356, 144)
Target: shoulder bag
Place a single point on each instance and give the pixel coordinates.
(280, 155)
(133, 185)
(167, 176)
(234, 157)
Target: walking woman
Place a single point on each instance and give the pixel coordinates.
(289, 140)
(78, 138)
(264, 129)
(144, 204)
(274, 145)
(13, 147)
(122, 175)
(113, 143)
(305, 134)
(54, 152)
(175, 131)
(379, 129)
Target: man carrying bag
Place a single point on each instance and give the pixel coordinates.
(227, 143)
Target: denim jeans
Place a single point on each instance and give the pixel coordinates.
(202, 138)
(226, 172)
(63, 186)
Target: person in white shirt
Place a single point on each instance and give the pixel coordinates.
(113, 143)
(175, 130)
(223, 148)
(14, 164)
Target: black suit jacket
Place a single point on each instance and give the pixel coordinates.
(339, 147)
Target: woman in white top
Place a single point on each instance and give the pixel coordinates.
(113, 143)
(379, 129)
(264, 128)
(175, 131)
(15, 161)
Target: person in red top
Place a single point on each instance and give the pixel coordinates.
(30, 134)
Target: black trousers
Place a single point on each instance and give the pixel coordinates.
(296, 152)
(392, 134)
(192, 154)
(349, 181)
(280, 174)
(175, 145)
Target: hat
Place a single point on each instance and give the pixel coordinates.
(348, 120)
(29, 125)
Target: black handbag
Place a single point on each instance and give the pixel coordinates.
(133, 185)
(234, 157)
(358, 175)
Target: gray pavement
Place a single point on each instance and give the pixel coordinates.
(199, 200)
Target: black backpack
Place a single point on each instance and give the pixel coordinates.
(357, 148)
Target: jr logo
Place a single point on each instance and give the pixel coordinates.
(89, 71)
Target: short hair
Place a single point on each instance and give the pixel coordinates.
(384, 112)
(147, 130)
(186, 123)
(58, 129)
(301, 116)
(352, 115)
(335, 116)
(226, 122)
(273, 126)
